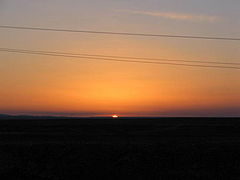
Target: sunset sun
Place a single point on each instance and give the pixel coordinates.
(115, 116)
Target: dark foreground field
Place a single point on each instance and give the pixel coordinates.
(140, 148)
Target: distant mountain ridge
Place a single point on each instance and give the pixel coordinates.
(4, 115)
(7, 116)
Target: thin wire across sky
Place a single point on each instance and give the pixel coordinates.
(159, 61)
(118, 33)
(124, 59)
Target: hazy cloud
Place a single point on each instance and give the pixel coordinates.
(176, 16)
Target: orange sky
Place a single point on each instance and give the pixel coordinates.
(33, 84)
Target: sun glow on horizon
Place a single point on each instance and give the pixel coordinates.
(115, 116)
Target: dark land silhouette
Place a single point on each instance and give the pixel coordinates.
(106, 148)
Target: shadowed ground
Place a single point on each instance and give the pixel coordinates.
(137, 148)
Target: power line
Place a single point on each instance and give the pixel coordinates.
(116, 60)
(119, 33)
(125, 57)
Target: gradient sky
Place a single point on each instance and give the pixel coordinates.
(31, 84)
